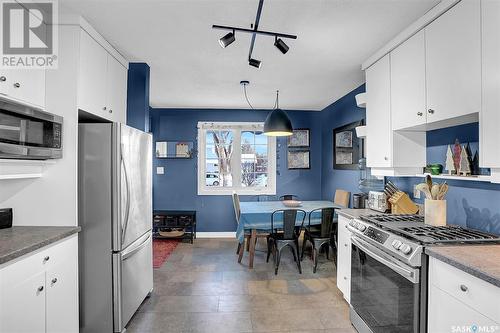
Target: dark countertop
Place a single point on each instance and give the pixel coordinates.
(482, 261)
(18, 241)
(351, 213)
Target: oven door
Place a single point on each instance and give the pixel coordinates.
(385, 293)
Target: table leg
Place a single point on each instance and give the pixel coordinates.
(253, 237)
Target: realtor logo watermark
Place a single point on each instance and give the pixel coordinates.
(29, 34)
(475, 329)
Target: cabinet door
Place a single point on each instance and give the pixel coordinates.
(116, 90)
(344, 261)
(408, 83)
(454, 314)
(22, 302)
(62, 292)
(453, 62)
(28, 86)
(378, 114)
(92, 76)
(490, 115)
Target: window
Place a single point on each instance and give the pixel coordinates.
(235, 157)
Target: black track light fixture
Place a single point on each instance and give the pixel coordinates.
(254, 62)
(280, 45)
(227, 39)
(254, 31)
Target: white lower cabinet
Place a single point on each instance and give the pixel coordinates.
(39, 293)
(458, 301)
(344, 258)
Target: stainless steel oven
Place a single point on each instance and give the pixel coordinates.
(27, 133)
(385, 292)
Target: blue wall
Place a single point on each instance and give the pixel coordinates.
(342, 112)
(177, 188)
(138, 96)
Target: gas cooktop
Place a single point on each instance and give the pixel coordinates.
(413, 227)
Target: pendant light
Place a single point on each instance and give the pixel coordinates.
(277, 122)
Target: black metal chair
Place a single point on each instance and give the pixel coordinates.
(321, 235)
(289, 197)
(288, 235)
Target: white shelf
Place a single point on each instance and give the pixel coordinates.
(22, 169)
(479, 178)
(21, 176)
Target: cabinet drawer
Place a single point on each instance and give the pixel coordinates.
(476, 293)
(42, 260)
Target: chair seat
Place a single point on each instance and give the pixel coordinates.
(280, 236)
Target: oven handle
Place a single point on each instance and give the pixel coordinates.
(409, 274)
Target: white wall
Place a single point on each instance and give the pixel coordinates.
(52, 199)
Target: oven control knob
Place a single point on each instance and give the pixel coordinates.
(361, 227)
(396, 244)
(405, 248)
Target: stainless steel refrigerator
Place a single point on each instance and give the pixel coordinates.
(115, 214)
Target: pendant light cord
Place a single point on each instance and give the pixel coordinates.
(246, 97)
(277, 103)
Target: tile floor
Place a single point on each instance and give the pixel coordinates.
(202, 288)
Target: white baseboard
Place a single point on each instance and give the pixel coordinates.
(229, 234)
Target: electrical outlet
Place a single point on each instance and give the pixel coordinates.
(160, 170)
(416, 193)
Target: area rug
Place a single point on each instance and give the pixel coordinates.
(162, 249)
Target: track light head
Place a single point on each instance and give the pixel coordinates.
(254, 62)
(227, 39)
(280, 44)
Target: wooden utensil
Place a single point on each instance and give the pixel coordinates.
(422, 187)
(428, 181)
(435, 190)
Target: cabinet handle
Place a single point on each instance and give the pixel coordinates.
(386, 158)
(431, 111)
(463, 287)
(420, 114)
(17, 85)
(54, 280)
(345, 277)
(3, 79)
(110, 111)
(40, 289)
(104, 108)
(47, 258)
(345, 245)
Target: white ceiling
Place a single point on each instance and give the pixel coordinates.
(190, 70)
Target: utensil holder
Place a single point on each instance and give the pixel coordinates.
(435, 212)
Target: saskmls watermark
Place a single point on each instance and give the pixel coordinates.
(28, 34)
(475, 329)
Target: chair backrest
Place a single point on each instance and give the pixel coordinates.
(289, 197)
(327, 221)
(236, 204)
(290, 227)
(342, 198)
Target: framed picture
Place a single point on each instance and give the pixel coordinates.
(299, 139)
(347, 148)
(299, 159)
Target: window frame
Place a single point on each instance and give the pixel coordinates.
(237, 128)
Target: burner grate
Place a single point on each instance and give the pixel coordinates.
(447, 233)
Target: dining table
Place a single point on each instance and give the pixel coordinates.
(255, 216)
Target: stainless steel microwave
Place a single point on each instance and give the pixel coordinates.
(28, 133)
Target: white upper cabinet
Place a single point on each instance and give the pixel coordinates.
(24, 85)
(378, 114)
(92, 76)
(116, 94)
(453, 63)
(490, 113)
(408, 83)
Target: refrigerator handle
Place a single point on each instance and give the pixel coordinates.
(128, 254)
(127, 185)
